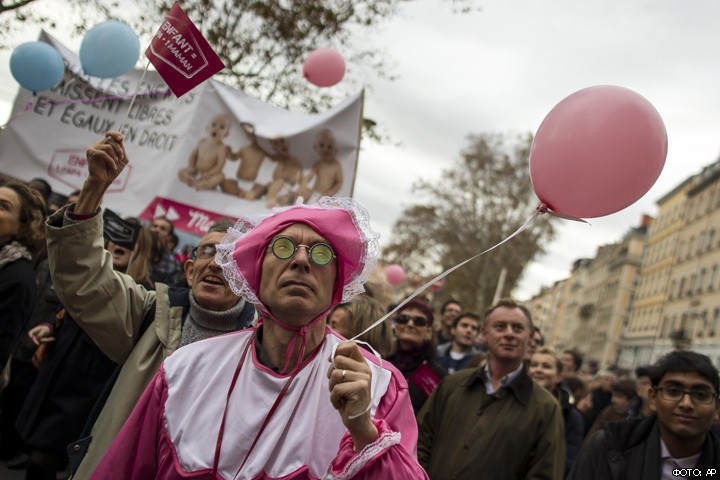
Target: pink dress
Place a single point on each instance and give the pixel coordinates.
(173, 431)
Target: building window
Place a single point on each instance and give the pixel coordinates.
(681, 289)
(691, 287)
(701, 244)
(672, 325)
(714, 324)
(691, 244)
(701, 281)
(711, 239)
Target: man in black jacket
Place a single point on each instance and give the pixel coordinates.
(676, 442)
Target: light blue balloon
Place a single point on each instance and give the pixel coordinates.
(109, 49)
(37, 66)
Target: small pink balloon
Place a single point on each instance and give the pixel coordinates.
(394, 274)
(324, 67)
(598, 151)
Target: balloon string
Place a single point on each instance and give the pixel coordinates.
(134, 96)
(27, 108)
(541, 209)
(447, 272)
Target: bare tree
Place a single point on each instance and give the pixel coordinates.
(485, 197)
(262, 42)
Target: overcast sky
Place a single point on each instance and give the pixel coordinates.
(503, 69)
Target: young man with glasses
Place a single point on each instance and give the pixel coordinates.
(676, 442)
(288, 398)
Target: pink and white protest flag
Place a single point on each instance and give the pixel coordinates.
(181, 54)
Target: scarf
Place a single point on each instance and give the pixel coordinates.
(12, 252)
(408, 360)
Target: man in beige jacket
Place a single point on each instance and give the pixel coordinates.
(134, 327)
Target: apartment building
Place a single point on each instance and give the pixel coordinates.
(656, 290)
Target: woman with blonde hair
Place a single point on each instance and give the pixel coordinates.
(349, 319)
(545, 368)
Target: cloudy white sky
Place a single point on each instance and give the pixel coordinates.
(503, 69)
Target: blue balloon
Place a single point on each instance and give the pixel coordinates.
(109, 49)
(37, 66)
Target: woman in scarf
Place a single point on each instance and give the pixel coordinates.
(415, 353)
(22, 240)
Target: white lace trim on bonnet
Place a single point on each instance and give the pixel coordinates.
(360, 218)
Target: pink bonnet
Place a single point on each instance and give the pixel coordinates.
(342, 221)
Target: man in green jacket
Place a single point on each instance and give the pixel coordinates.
(494, 421)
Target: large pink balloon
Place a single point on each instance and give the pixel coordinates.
(597, 151)
(394, 274)
(324, 67)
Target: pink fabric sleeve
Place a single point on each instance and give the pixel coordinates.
(133, 453)
(393, 454)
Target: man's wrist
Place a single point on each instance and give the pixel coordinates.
(364, 435)
(89, 199)
(77, 217)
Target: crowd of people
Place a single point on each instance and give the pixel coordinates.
(136, 360)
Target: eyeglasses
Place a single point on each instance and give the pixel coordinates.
(284, 248)
(676, 394)
(417, 321)
(203, 251)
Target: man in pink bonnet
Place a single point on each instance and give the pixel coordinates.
(289, 398)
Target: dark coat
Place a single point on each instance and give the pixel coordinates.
(47, 304)
(600, 399)
(574, 428)
(17, 298)
(421, 370)
(466, 434)
(630, 450)
(68, 384)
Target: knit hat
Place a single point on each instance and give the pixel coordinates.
(420, 305)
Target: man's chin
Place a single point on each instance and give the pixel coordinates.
(212, 300)
(509, 356)
(297, 311)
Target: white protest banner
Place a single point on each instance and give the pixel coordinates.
(215, 152)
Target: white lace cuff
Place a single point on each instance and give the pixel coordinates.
(383, 442)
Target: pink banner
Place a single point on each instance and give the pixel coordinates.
(181, 54)
(186, 218)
